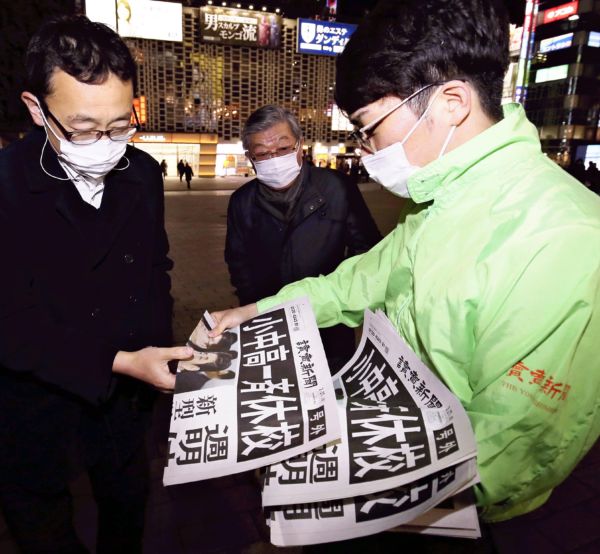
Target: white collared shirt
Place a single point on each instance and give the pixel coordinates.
(90, 190)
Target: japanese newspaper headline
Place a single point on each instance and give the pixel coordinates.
(406, 445)
(257, 394)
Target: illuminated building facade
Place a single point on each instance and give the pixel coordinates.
(210, 88)
(562, 88)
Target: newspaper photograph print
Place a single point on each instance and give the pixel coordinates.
(258, 394)
(399, 423)
(214, 359)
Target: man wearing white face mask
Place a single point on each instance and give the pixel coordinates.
(492, 274)
(84, 293)
(293, 221)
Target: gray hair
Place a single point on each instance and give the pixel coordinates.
(267, 116)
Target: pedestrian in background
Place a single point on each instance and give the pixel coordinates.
(293, 221)
(187, 170)
(180, 169)
(577, 169)
(163, 168)
(592, 176)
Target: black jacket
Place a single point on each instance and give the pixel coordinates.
(331, 222)
(76, 285)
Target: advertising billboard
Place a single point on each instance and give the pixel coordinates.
(139, 18)
(556, 43)
(327, 38)
(561, 12)
(150, 19)
(332, 8)
(240, 27)
(554, 73)
(516, 38)
(594, 39)
(102, 11)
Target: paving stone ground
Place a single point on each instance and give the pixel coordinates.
(223, 515)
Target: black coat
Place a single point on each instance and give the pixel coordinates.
(77, 285)
(331, 222)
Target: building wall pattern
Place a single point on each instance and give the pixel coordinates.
(199, 87)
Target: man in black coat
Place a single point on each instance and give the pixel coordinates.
(293, 221)
(84, 291)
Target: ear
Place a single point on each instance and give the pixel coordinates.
(31, 103)
(247, 154)
(457, 102)
(300, 152)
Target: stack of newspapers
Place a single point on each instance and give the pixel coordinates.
(382, 445)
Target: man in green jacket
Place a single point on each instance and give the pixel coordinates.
(492, 275)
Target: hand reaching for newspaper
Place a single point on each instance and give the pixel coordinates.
(232, 318)
(150, 365)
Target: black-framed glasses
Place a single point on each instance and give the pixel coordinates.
(363, 135)
(282, 151)
(118, 134)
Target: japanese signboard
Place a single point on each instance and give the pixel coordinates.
(255, 395)
(240, 27)
(323, 37)
(561, 12)
(556, 43)
(554, 73)
(149, 19)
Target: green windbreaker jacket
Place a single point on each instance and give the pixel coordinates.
(492, 276)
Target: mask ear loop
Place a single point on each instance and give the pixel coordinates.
(447, 141)
(44, 169)
(422, 116)
(122, 168)
(47, 126)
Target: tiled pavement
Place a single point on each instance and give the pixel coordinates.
(223, 515)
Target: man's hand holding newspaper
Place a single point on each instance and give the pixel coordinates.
(378, 445)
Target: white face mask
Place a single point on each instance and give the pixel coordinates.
(90, 160)
(390, 167)
(278, 173)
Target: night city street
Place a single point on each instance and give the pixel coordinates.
(300, 276)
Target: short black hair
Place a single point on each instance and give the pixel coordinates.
(404, 45)
(87, 51)
(223, 361)
(225, 342)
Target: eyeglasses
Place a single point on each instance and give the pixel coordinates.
(282, 151)
(363, 135)
(118, 134)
